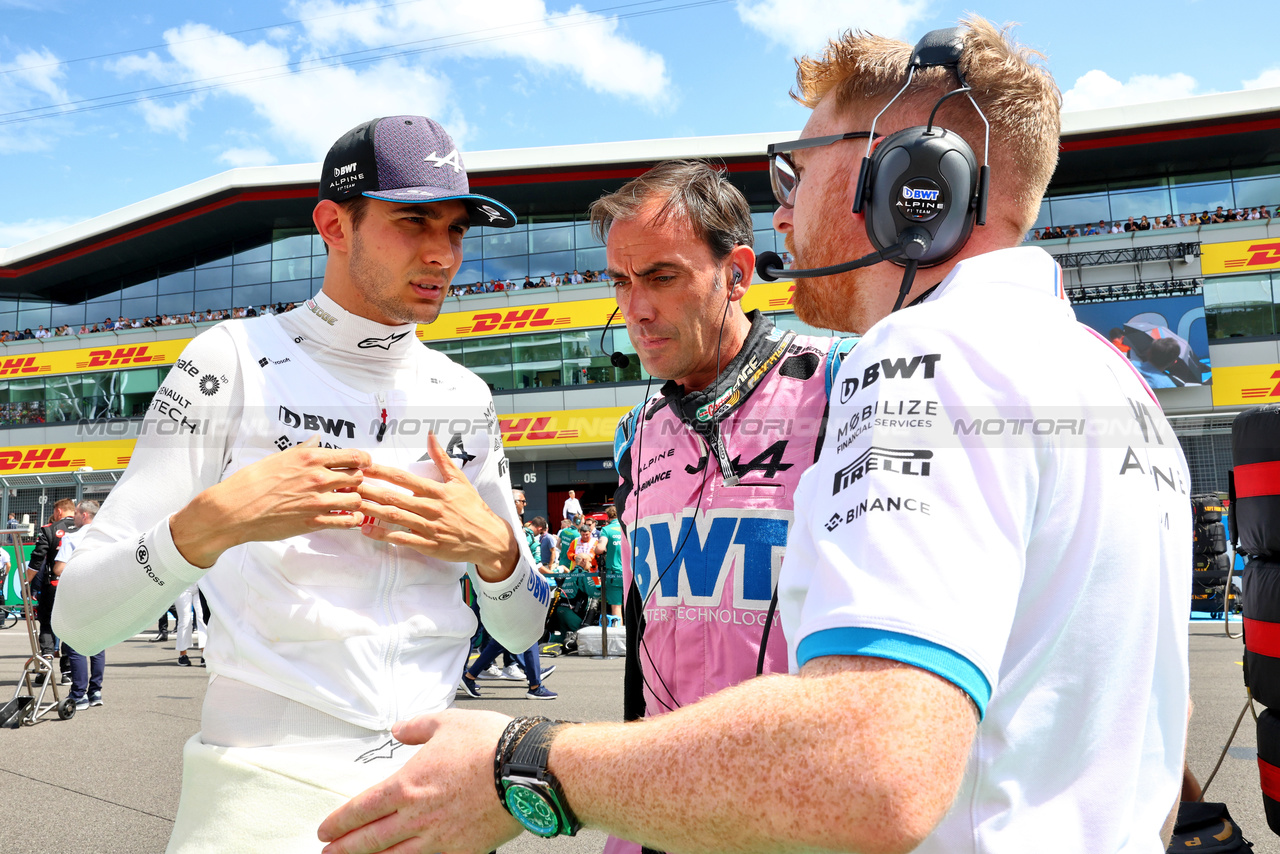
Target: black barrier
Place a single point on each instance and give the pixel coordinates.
(1255, 451)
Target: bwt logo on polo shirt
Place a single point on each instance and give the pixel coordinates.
(332, 426)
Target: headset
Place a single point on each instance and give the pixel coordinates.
(920, 190)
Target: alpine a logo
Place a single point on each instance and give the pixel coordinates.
(382, 343)
(450, 159)
(898, 460)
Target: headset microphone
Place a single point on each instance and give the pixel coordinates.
(913, 245)
(617, 358)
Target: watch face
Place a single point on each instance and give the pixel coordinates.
(532, 809)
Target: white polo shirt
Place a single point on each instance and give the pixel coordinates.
(1000, 501)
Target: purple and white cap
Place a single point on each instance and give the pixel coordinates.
(405, 159)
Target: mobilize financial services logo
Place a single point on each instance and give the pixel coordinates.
(903, 368)
(910, 462)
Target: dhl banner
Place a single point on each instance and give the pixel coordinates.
(1251, 385)
(583, 314)
(1242, 256)
(566, 427)
(89, 359)
(531, 429)
(67, 457)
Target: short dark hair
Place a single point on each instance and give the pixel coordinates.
(356, 207)
(539, 522)
(716, 210)
(1163, 353)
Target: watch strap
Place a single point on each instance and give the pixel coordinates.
(535, 747)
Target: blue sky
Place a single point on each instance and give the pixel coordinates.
(278, 80)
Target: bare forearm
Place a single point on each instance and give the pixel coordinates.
(823, 762)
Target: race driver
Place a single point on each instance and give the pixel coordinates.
(1004, 670)
(327, 480)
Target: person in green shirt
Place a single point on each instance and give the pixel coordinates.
(609, 544)
(568, 533)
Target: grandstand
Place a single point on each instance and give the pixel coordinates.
(243, 239)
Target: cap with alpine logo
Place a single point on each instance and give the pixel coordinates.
(405, 159)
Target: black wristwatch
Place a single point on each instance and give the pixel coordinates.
(530, 792)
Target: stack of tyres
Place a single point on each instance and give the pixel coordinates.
(1255, 520)
(1210, 560)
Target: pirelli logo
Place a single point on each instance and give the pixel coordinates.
(39, 459)
(120, 356)
(1242, 256)
(23, 365)
(511, 320)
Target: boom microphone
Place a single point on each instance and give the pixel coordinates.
(913, 243)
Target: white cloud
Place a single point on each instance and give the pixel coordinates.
(307, 111)
(805, 26)
(257, 156)
(1270, 77)
(32, 80)
(581, 44)
(13, 233)
(1097, 89)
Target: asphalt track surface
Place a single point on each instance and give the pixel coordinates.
(108, 780)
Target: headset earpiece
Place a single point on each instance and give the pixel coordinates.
(737, 277)
(922, 179)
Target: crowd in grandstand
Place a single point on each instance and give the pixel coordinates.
(1057, 232)
(122, 322)
(552, 281)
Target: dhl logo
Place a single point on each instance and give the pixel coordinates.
(36, 459)
(1259, 255)
(783, 302)
(119, 356)
(1263, 391)
(20, 365)
(497, 321)
(531, 429)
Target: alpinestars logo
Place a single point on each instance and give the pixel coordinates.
(382, 343)
(898, 460)
(458, 451)
(450, 159)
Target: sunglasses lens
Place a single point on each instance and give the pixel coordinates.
(783, 179)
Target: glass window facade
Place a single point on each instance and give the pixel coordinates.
(1160, 197)
(288, 266)
(1242, 306)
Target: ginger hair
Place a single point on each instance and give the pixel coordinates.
(1017, 94)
